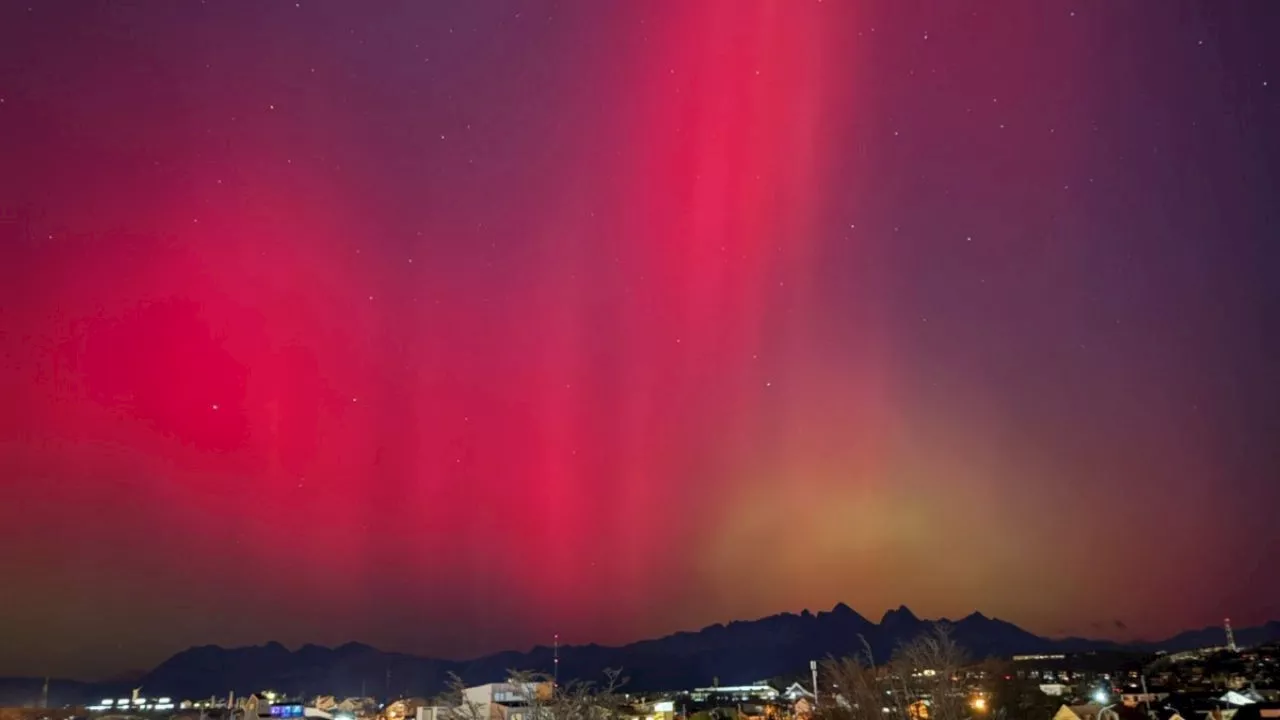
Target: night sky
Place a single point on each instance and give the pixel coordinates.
(449, 326)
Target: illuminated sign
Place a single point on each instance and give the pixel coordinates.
(286, 711)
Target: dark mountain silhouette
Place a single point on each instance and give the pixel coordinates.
(739, 652)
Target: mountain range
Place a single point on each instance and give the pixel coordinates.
(736, 653)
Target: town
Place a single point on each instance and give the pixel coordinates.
(927, 680)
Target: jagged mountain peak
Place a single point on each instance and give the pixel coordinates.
(901, 615)
(736, 652)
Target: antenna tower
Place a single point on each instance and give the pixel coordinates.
(555, 661)
(1231, 636)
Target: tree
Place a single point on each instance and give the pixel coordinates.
(928, 669)
(925, 669)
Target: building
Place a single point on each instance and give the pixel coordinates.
(289, 711)
(404, 708)
(1054, 689)
(434, 712)
(497, 701)
(356, 707)
(758, 692)
(1134, 698)
(663, 710)
(134, 704)
(1088, 711)
(796, 691)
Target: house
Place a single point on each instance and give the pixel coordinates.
(795, 691)
(250, 704)
(662, 710)
(1087, 711)
(1054, 689)
(434, 712)
(504, 701)
(404, 708)
(1238, 698)
(357, 706)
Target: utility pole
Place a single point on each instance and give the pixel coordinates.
(813, 670)
(555, 661)
(1145, 697)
